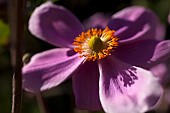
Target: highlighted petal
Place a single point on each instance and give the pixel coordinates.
(127, 89)
(86, 86)
(135, 23)
(54, 24)
(50, 68)
(144, 54)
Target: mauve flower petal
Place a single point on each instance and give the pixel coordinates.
(144, 53)
(160, 32)
(50, 68)
(55, 24)
(127, 89)
(162, 52)
(86, 86)
(161, 71)
(98, 20)
(134, 23)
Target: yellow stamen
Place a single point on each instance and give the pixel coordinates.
(95, 44)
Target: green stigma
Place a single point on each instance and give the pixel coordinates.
(95, 44)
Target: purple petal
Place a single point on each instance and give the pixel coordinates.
(143, 53)
(162, 51)
(161, 71)
(50, 68)
(127, 89)
(98, 20)
(160, 32)
(86, 86)
(55, 24)
(134, 23)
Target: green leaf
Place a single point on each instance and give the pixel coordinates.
(4, 33)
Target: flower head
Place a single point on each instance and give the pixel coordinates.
(107, 64)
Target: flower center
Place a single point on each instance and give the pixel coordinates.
(96, 43)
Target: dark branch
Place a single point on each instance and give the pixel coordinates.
(16, 9)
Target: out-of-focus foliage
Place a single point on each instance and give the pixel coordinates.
(4, 33)
(5, 69)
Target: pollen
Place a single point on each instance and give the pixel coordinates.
(95, 44)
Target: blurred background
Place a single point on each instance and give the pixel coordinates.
(61, 99)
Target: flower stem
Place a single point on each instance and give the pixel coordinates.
(16, 8)
(41, 103)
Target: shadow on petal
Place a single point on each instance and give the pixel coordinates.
(135, 23)
(127, 89)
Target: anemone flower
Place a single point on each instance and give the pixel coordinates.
(108, 61)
